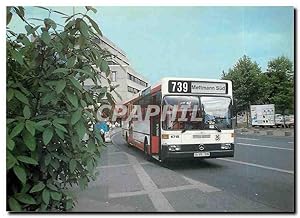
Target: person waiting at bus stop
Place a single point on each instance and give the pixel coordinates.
(102, 128)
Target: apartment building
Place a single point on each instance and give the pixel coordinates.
(122, 74)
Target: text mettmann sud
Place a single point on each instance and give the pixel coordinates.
(176, 86)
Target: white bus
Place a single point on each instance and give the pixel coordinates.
(164, 137)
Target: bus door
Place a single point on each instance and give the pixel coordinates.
(155, 128)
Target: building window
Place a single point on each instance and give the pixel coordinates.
(113, 76)
(132, 90)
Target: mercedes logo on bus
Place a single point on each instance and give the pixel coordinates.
(201, 147)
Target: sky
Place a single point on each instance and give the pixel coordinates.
(190, 41)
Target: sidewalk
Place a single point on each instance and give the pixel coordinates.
(129, 184)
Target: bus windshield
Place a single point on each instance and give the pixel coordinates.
(211, 112)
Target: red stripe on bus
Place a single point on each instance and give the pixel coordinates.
(155, 144)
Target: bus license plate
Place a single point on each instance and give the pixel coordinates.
(202, 154)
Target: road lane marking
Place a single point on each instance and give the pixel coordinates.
(247, 138)
(257, 165)
(266, 146)
(112, 166)
(291, 142)
(201, 186)
(126, 194)
(159, 201)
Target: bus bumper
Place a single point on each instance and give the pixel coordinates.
(166, 154)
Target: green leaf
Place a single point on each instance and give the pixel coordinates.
(10, 160)
(82, 182)
(14, 205)
(76, 116)
(21, 97)
(25, 198)
(60, 85)
(103, 90)
(47, 159)
(17, 129)
(90, 165)
(25, 188)
(9, 120)
(31, 30)
(51, 186)
(83, 103)
(8, 17)
(72, 165)
(91, 8)
(84, 72)
(61, 127)
(43, 122)
(91, 147)
(60, 133)
(10, 94)
(17, 56)
(72, 98)
(46, 37)
(38, 187)
(56, 196)
(69, 204)
(48, 98)
(30, 126)
(26, 112)
(54, 163)
(76, 83)
(71, 61)
(49, 22)
(60, 120)
(47, 135)
(84, 29)
(28, 160)
(20, 173)
(29, 140)
(61, 70)
(80, 129)
(46, 196)
(95, 25)
(104, 67)
(10, 144)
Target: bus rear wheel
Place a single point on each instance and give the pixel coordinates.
(147, 156)
(126, 138)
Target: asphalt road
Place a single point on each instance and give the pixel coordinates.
(262, 171)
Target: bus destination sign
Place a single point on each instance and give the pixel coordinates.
(195, 87)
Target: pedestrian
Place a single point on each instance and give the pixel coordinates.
(102, 128)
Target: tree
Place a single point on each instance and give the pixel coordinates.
(47, 109)
(280, 85)
(247, 89)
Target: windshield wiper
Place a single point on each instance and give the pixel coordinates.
(219, 130)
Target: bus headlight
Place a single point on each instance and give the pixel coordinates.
(226, 146)
(174, 148)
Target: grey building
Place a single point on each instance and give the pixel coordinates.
(122, 73)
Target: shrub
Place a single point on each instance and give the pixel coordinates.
(47, 109)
